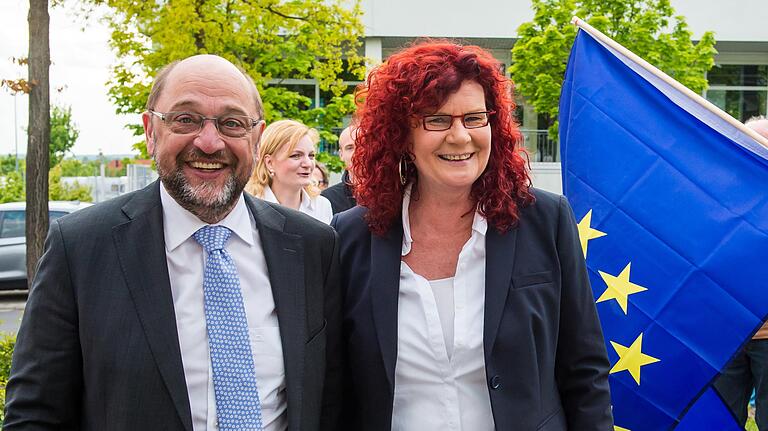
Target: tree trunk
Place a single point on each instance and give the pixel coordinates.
(39, 134)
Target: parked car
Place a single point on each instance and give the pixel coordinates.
(13, 241)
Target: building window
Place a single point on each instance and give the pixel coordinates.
(310, 89)
(741, 90)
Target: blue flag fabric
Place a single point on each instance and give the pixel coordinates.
(709, 413)
(672, 204)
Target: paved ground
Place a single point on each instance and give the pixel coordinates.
(11, 308)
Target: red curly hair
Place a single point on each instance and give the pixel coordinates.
(417, 81)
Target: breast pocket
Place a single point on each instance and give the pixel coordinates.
(534, 279)
(266, 341)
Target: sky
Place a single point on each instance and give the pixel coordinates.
(81, 60)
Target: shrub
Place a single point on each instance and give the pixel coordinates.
(7, 342)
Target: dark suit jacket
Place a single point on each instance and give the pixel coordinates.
(340, 195)
(544, 354)
(98, 347)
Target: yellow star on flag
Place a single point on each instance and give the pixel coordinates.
(631, 358)
(586, 232)
(618, 428)
(619, 287)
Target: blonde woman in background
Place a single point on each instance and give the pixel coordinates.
(320, 177)
(283, 173)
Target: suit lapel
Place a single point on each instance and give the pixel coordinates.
(384, 287)
(500, 253)
(140, 245)
(284, 253)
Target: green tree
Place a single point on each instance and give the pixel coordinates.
(331, 161)
(12, 188)
(77, 168)
(60, 191)
(297, 39)
(8, 164)
(64, 133)
(646, 27)
(7, 343)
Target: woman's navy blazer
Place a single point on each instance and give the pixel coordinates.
(545, 357)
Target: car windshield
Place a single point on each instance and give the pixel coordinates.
(13, 223)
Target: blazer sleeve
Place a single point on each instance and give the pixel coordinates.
(43, 391)
(334, 358)
(582, 363)
(347, 420)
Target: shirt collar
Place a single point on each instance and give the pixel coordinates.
(180, 224)
(479, 223)
(307, 203)
(269, 196)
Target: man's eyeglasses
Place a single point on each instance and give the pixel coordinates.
(185, 123)
(472, 120)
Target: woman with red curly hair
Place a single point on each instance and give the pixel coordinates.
(467, 301)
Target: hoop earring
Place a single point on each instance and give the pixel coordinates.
(402, 166)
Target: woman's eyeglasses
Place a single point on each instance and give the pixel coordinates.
(441, 122)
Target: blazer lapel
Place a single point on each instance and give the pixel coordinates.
(500, 253)
(140, 245)
(384, 287)
(284, 253)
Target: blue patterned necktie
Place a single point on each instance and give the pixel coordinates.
(234, 378)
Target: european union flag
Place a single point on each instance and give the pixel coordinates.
(673, 209)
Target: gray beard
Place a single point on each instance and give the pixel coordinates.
(202, 200)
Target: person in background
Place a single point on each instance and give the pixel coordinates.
(187, 305)
(340, 194)
(748, 370)
(320, 176)
(467, 302)
(283, 172)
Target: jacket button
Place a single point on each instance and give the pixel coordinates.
(495, 383)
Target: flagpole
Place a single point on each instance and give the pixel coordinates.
(597, 34)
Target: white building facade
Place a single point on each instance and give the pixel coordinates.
(738, 82)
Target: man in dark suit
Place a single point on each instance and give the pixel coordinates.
(156, 309)
(340, 194)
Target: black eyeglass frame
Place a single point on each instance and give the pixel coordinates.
(461, 116)
(166, 117)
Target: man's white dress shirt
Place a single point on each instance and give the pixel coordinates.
(318, 207)
(440, 381)
(186, 260)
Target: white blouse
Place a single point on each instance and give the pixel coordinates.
(443, 291)
(439, 386)
(318, 207)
